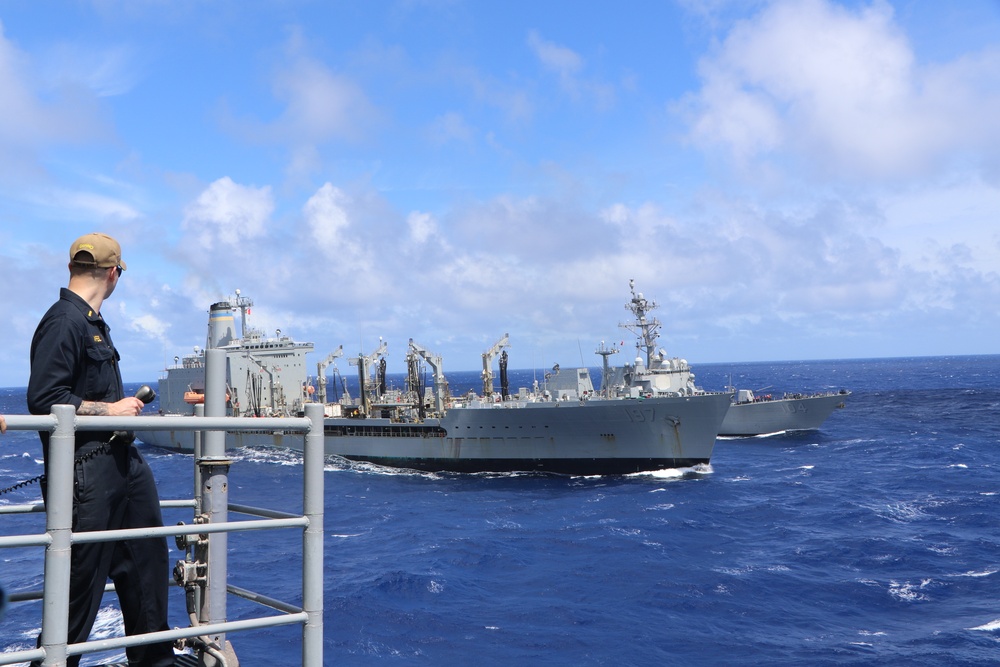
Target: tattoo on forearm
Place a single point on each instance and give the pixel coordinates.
(93, 409)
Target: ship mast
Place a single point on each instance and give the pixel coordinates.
(605, 352)
(244, 304)
(646, 329)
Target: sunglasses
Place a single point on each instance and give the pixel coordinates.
(119, 270)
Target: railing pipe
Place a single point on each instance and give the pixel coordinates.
(265, 600)
(23, 509)
(214, 442)
(160, 423)
(312, 541)
(215, 495)
(199, 411)
(198, 529)
(15, 657)
(42, 540)
(207, 423)
(113, 643)
(261, 511)
(59, 525)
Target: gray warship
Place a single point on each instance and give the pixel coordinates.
(752, 415)
(566, 428)
(653, 373)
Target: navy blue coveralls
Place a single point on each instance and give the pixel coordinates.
(73, 360)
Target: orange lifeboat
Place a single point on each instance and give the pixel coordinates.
(194, 397)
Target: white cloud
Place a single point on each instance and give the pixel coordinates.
(226, 241)
(18, 104)
(567, 65)
(98, 207)
(326, 215)
(422, 227)
(448, 127)
(561, 60)
(320, 104)
(841, 91)
(742, 121)
(304, 160)
(106, 71)
(149, 325)
(228, 214)
(348, 249)
(928, 223)
(30, 120)
(535, 229)
(317, 105)
(515, 104)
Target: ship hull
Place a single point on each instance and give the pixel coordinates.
(776, 416)
(595, 437)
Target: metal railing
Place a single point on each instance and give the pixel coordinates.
(211, 505)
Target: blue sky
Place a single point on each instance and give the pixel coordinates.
(788, 180)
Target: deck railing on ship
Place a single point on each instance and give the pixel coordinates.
(211, 504)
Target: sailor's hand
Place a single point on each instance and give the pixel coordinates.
(130, 406)
(3, 424)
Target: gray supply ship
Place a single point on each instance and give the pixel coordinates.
(567, 428)
(749, 415)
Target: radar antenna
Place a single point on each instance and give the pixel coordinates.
(646, 329)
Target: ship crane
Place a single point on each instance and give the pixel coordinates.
(488, 357)
(321, 372)
(440, 383)
(364, 364)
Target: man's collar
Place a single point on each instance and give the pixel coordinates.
(79, 302)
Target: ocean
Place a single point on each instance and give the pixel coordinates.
(873, 540)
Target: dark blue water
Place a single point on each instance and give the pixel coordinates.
(871, 541)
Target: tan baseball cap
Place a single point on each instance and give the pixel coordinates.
(98, 250)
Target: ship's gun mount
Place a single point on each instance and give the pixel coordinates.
(488, 357)
(440, 383)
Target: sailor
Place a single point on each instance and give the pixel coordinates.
(74, 362)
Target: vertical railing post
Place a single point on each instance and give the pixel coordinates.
(199, 411)
(312, 540)
(215, 494)
(59, 525)
(214, 442)
(197, 592)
